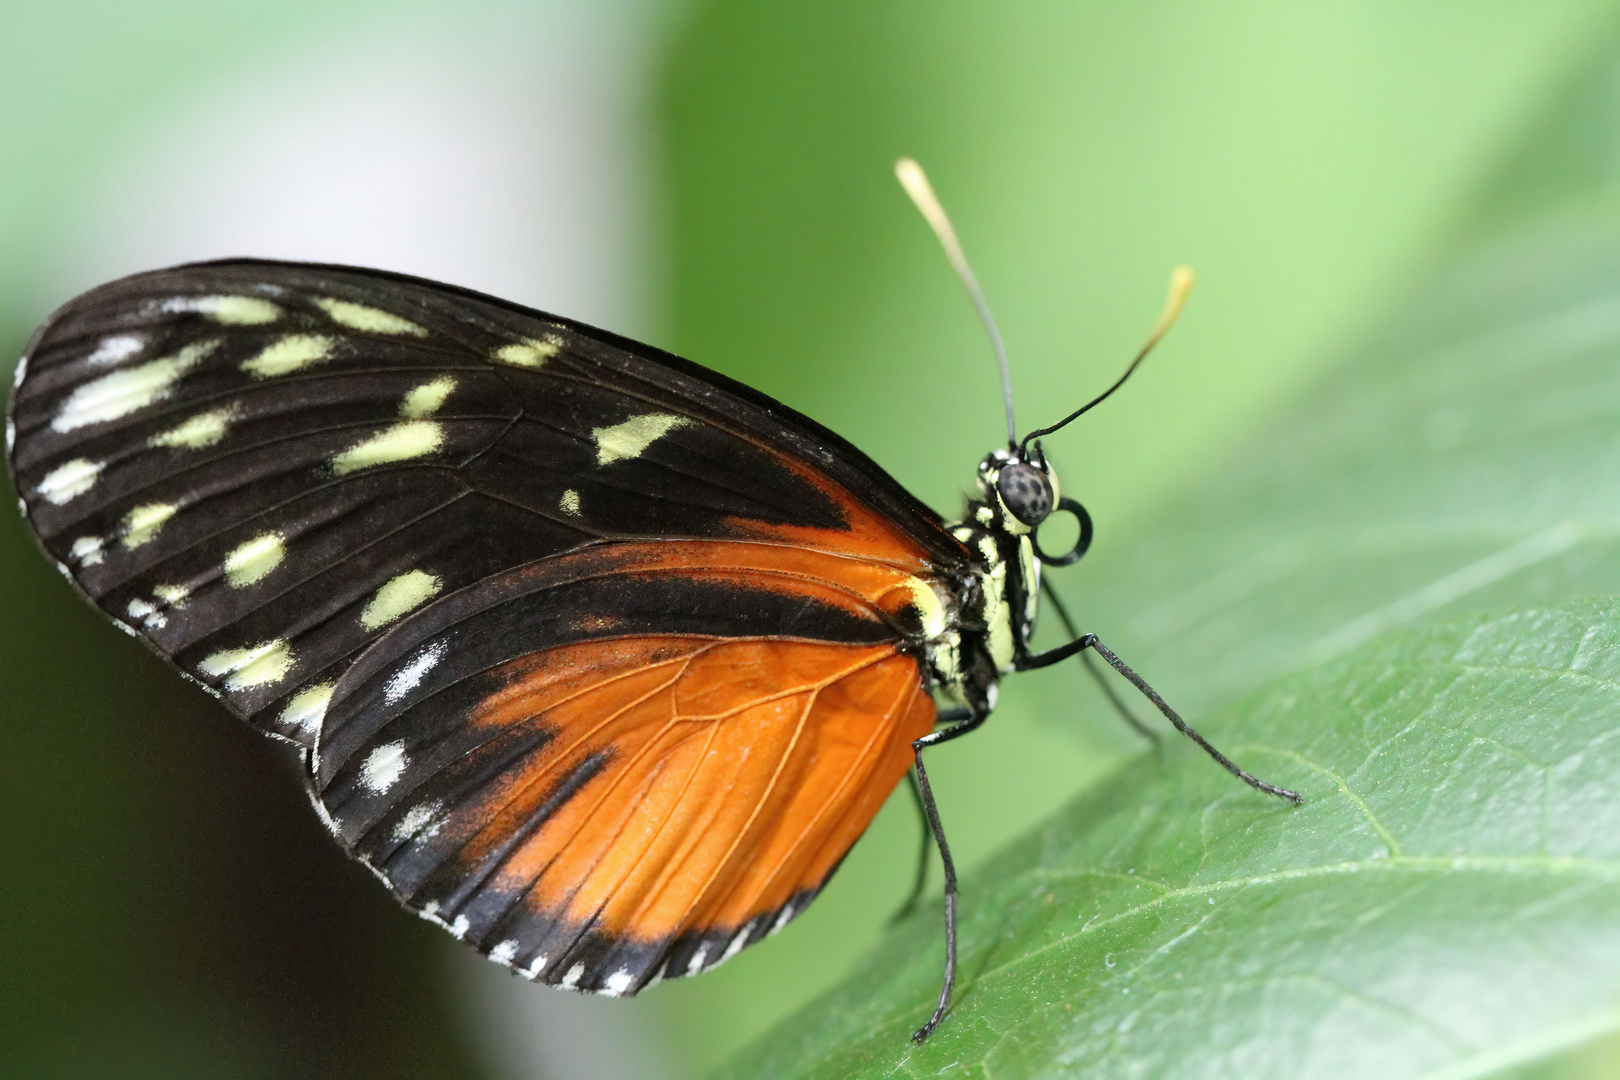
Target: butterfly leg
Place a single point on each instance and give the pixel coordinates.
(1090, 641)
(931, 814)
(948, 717)
(1091, 667)
(922, 855)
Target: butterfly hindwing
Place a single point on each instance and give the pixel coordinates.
(600, 800)
(261, 468)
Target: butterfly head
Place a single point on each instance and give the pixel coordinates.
(1019, 488)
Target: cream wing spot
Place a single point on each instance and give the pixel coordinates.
(226, 310)
(198, 433)
(253, 561)
(368, 320)
(570, 503)
(172, 595)
(399, 595)
(402, 442)
(68, 481)
(383, 767)
(527, 353)
(255, 665)
(307, 709)
(425, 400)
(289, 354)
(929, 608)
(620, 442)
(122, 392)
(142, 524)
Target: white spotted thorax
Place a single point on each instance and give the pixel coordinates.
(997, 616)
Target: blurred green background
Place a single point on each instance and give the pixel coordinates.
(716, 178)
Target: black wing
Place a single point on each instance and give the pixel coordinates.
(261, 467)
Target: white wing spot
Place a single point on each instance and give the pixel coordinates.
(425, 400)
(253, 561)
(460, 926)
(368, 320)
(68, 481)
(571, 980)
(408, 677)
(229, 310)
(527, 353)
(403, 441)
(256, 665)
(291, 353)
(86, 550)
(383, 767)
(629, 439)
(115, 350)
(618, 982)
(123, 392)
(782, 919)
(307, 708)
(570, 502)
(505, 952)
(399, 595)
(695, 965)
(734, 947)
(536, 966)
(144, 522)
(420, 822)
(200, 432)
(150, 617)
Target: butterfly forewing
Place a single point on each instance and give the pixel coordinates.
(600, 659)
(261, 467)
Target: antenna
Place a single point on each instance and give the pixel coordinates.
(1181, 283)
(915, 181)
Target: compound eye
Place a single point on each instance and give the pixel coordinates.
(1025, 492)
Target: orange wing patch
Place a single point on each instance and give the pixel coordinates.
(739, 772)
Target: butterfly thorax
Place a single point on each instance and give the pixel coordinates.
(996, 603)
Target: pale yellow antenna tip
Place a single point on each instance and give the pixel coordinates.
(1182, 280)
(915, 181)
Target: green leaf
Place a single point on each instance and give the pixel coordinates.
(1448, 896)
(1393, 600)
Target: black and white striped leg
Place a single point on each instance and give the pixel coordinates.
(931, 814)
(1091, 667)
(1089, 641)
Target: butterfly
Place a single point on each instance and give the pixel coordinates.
(597, 658)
